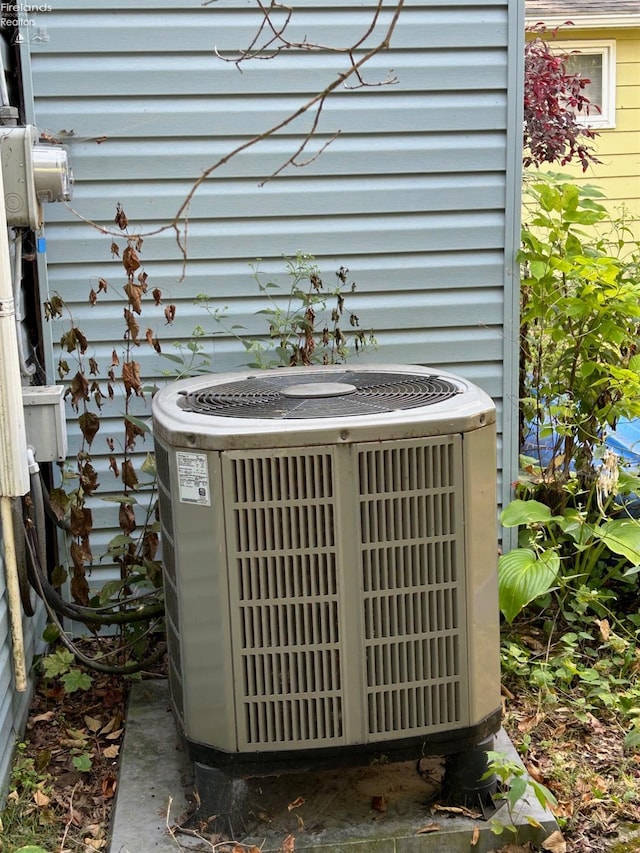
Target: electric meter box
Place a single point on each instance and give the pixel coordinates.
(45, 421)
(31, 173)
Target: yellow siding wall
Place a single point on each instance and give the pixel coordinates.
(618, 176)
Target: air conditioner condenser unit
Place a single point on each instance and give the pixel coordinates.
(330, 542)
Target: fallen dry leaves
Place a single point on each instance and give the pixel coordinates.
(85, 727)
(597, 785)
(584, 764)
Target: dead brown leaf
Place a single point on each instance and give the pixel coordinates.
(110, 726)
(564, 809)
(130, 260)
(111, 751)
(41, 799)
(535, 773)
(533, 643)
(113, 735)
(299, 801)
(429, 827)
(92, 723)
(555, 843)
(378, 803)
(527, 724)
(289, 844)
(475, 836)
(457, 810)
(109, 785)
(43, 718)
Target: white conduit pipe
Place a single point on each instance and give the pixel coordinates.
(14, 473)
(13, 597)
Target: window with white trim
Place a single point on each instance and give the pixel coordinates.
(595, 60)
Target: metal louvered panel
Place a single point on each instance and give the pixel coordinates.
(284, 599)
(414, 601)
(293, 640)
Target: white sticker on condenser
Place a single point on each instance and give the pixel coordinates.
(193, 478)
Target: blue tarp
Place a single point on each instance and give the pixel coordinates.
(624, 441)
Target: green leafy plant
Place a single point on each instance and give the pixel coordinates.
(305, 318)
(190, 358)
(580, 315)
(589, 667)
(60, 664)
(514, 785)
(579, 375)
(28, 820)
(558, 550)
(30, 848)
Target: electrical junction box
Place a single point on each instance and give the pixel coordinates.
(31, 173)
(45, 421)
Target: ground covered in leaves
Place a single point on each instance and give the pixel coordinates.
(584, 764)
(66, 770)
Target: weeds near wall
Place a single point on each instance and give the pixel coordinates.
(306, 319)
(577, 567)
(580, 373)
(132, 601)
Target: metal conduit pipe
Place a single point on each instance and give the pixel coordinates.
(26, 370)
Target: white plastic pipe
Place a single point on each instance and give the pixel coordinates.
(14, 472)
(13, 596)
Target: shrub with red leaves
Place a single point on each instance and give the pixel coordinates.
(553, 98)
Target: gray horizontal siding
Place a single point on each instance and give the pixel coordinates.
(413, 195)
(179, 75)
(453, 112)
(14, 706)
(193, 28)
(228, 199)
(183, 157)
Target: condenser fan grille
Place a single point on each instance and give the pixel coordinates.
(331, 393)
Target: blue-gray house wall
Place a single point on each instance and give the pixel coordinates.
(14, 706)
(418, 196)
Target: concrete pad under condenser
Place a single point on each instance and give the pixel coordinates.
(155, 777)
(381, 808)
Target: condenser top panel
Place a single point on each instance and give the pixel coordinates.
(337, 393)
(314, 405)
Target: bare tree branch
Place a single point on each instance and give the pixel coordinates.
(275, 41)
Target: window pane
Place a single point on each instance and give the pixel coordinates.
(588, 65)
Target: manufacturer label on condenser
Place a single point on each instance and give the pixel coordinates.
(193, 478)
